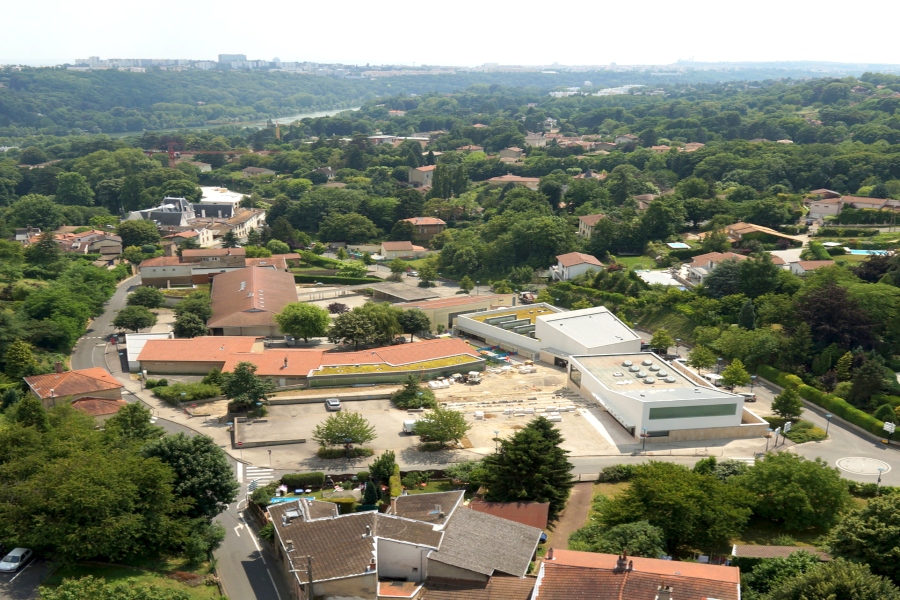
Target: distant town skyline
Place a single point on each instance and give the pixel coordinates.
(463, 34)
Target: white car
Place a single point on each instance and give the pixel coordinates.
(413, 273)
(15, 560)
(332, 404)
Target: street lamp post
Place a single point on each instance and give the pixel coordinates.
(828, 423)
(477, 283)
(677, 346)
(752, 382)
(644, 437)
(496, 442)
(878, 483)
(768, 435)
(718, 365)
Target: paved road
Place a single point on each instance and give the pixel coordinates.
(245, 573)
(24, 584)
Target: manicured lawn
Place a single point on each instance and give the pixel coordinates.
(637, 262)
(153, 572)
(610, 489)
(761, 532)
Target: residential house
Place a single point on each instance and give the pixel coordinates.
(693, 146)
(738, 231)
(626, 138)
(533, 514)
(421, 537)
(532, 183)
(173, 211)
(587, 223)
(165, 272)
(567, 574)
(498, 587)
(396, 113)
(99, 408)
(535, 140)
(23, 235)
(870, 203)
(803, 267)
(256, 171)
(425, 228)
(215, 257)
(591, 174)
(759, 551)
(422, 176)
(573, 264)
(327, 172)
(513, 152)
(392, 250)
(245, 220)
(605, 146)
(823, 193)
(701, 266)
(471, 148)
(71, 385)
(203, 236)
(824, 207)
(660, 149)
(643, 200)
(245, 301)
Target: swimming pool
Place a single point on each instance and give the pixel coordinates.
(869, 252)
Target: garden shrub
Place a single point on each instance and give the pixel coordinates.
(341, 453)
(415, 478)
(394, 483)
(345, 505)
(617, 473)
(192, 392)
(362, 475)
(294, 481)
(804, 431)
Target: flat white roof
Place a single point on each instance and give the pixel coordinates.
(215, 195)
(590, 327)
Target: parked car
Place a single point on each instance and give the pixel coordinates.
(332, 404)
(409, 427)
(15, 560)
(748, 397)
(413, 273)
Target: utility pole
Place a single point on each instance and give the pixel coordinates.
(309, 572)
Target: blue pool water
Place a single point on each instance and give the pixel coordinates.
(868, 252)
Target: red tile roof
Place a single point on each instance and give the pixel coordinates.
(715, 258)
(397, 246)
(534, 514)
(425, 221)
(98, 407)
(509, 178)
(577, 258)
(571, 575)
(204, 252)
(812, 265)
(161, 261)
(426, 168)
(71, 383)
(198, 349)
(250, 297)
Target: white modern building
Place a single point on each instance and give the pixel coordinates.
(650, 397)
(545, 332)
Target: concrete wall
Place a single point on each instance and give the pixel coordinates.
(115, 394)
(495, 336)
(180, 368)
(575, 271)
(397, 560)
(437, 569)
(260, 331)
(552, 337)
(361, 586)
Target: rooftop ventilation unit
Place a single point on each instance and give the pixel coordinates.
(243, 285)
(627, 363)
(618, 374)
(654, 367)
(642, 373)
(647, 362)
(650, 380)
(662, 374)
(634, 369)
(670, 379)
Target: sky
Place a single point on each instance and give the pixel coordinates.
(459, 33)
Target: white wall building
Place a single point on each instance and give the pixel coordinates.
(547, 333)
(573, 264)
(650, 396)
(216, 195)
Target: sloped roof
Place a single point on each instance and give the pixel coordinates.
(812, 265)
(72, 383)
(534, 514)
(162, 261)
(98, 407)
(397, 246)
(250, 297)
(498, 587)
(198, 349)
(715, 258)
(591, 220)
(425, 221)
(485, 544)
(425, 168)
(461, 300)
(422, 506)
(204, 252)
(577, 258)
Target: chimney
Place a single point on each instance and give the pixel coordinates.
(368, 531)
(57, 366)
(621, 564)
(169, 249)
(664, 592)
(393, 506)
(549, 555)
(285, 362)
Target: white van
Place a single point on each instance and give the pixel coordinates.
(409, 427)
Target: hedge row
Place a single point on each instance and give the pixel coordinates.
(846, 232)
(192, 391)
(395, 484)
(345, 505)
(830, 402)
(303, 480)
(335, 279)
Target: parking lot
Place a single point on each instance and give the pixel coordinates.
(24, 584)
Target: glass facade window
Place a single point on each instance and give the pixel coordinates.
(690, 412)
(575, 376)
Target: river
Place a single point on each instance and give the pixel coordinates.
(258, 123)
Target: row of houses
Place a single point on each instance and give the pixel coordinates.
(828, 203)
(702, 265)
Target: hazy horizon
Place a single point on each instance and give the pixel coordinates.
(465, 34)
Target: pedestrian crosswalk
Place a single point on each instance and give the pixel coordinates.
(261, 474)
(154, 419)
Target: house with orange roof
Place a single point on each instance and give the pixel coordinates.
(531, 183)
(702, 265)
(422, 176)
(513, 152)
(567, 574)
(802, 267)
(245, 301)
(444, 311)
(573, 264)
(65, 386)
(392, 250)
(99, 408)
(586, 224)
(425, 228)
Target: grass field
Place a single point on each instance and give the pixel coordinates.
(160, 573)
